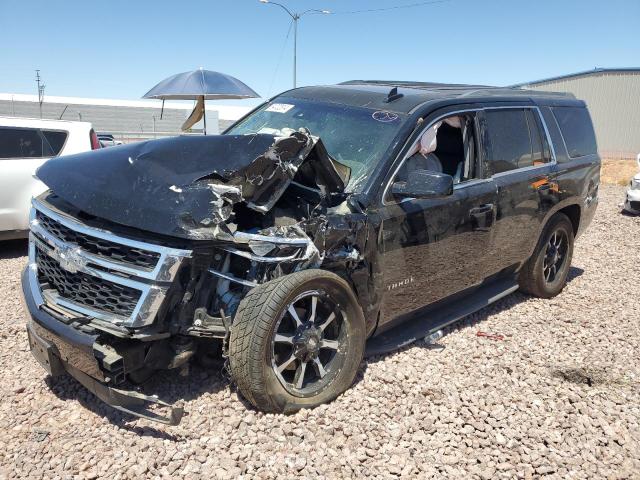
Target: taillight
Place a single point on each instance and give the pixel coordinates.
(95, 143)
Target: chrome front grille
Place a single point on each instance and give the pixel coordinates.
(84, 289)
(90, 272)
(98, 246)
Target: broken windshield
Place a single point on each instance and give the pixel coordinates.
(356, 137)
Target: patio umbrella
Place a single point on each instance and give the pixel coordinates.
(200, 85)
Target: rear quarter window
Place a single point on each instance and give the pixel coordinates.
(30, 143)
(21, 143)
(577, 130)
(56, 139)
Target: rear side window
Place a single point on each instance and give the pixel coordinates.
(24, 143)
(507, 140)
(577, 130)
(56, 140)
(534, 119)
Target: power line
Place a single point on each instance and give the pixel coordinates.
(397, 7)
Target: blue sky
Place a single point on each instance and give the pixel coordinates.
(120, 49)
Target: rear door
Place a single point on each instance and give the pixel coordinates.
(22, 151)
(520, 162)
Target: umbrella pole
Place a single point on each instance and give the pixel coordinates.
(204, 107)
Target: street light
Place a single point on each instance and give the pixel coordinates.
(295, 16)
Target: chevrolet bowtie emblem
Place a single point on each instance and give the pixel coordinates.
(69, 258)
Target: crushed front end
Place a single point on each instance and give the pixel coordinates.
(93, 297)
(111, 303)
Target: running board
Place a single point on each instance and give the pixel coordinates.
(425, 324)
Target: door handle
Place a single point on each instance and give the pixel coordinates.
(544, 185)
(482, 217)
(388, 235)
(482, 209)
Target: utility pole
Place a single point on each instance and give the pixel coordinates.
(295, 49)
(295, 16)
(40, 91)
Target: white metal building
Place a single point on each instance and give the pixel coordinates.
(127, 120)
(613, 98)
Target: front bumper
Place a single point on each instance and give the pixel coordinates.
(61, 348)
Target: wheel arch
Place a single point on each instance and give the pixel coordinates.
(574, 213)
(571, 208)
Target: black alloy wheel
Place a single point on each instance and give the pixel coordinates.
(297, 341)
(555, 258)
(308, 343)
(545, 273)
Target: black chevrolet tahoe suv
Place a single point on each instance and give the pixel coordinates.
(329, 223)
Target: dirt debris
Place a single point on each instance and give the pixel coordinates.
(561, 398)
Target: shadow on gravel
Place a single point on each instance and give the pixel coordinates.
(624, 213)
(169, 386)
(574, 272)
(591, 376)
(13, 249)
(474, 319)
(581, 376)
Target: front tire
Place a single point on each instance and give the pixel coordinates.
(297, 341)
(545, 273)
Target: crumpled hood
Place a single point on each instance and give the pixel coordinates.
(185, 186)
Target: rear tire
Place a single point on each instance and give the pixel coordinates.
(297, 341)
(545, 273)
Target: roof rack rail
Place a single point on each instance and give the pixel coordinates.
(461, 90)
(423, 85)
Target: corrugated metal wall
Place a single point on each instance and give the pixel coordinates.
(125, 123)
(613, 99)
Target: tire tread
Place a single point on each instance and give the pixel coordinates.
(251, 329)
(529, 279)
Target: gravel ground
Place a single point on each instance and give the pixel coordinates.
(559, 396)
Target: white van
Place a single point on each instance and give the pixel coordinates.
(25, 144)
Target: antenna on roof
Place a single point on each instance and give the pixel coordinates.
(393, 95)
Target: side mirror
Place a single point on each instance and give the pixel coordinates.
(424, 184)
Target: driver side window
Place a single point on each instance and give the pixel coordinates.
(449, 146)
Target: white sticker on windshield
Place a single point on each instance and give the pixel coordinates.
(279, 107)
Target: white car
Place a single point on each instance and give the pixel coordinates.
(632, 202)
(25, 144)
(107, 140)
